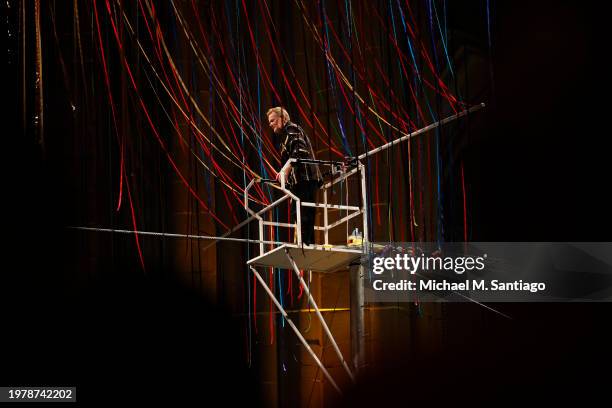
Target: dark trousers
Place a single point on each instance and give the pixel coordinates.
(306, 191)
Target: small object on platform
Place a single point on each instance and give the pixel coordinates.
(355, 239)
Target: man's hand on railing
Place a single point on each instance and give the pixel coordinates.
(278, 175)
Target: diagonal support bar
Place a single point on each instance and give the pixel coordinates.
(319, 315)
(295, 329)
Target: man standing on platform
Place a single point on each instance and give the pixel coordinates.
(302, 179)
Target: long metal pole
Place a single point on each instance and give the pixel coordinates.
(422, 130)
(319, 315)
(171, 235)
(295, 329)
(356, 277)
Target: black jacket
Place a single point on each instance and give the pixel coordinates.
(296, 145)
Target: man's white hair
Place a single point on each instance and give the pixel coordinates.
(282, 112)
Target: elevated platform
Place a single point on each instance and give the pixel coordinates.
(313, 257)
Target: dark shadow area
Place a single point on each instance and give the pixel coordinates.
(548, 353)
(537, 165)
(124, 336)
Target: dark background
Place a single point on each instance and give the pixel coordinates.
(542, 168)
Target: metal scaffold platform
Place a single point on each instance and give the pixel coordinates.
(321, 258)
(309, 257)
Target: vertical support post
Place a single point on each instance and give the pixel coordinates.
(261, 236)
(364, 204)
(356, 276)
(298, 217)
(325, 220)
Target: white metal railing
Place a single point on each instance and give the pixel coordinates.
(340, 172)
